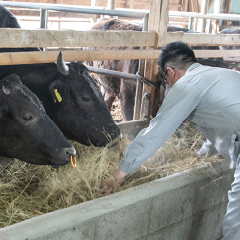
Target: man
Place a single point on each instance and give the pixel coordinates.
(207, 96)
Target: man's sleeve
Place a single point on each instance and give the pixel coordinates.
(177, 106)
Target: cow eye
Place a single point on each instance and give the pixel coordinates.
(27, 118)
(86, 99)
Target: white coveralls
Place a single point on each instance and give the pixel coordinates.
(209, 97)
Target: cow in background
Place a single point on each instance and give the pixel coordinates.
(26, 132)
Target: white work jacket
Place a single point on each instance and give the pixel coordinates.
(207, 96)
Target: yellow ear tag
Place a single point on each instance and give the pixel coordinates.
(57, 95)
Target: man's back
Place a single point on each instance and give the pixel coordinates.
(217, 113)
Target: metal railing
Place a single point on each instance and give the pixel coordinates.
(78, 9)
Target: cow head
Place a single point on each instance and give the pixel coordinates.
(26, 132)
(78, 107)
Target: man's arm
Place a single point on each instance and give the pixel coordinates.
(177, 106)
(113, 182)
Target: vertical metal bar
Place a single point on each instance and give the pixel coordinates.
(139, 86)
(111, 4)
(43, 21)
(43, 18)
(190, 23)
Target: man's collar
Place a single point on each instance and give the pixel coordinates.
(193, 66)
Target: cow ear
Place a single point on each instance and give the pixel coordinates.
(58, 90)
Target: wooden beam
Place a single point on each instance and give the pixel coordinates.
(14, 38)
(216, 53)
(69, 56)
(178, 19)
(202, 39)
(98, 55)
(10, 37)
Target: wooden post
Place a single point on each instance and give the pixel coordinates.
(184, 5)
(158, 20)
(202, 24)
(217, 5)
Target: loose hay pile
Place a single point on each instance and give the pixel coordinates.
(28, 190)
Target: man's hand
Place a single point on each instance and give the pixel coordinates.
(113, 182)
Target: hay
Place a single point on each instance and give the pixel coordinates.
(28, 190)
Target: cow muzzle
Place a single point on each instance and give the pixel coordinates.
(70, 152)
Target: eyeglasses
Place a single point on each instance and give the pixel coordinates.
(163, 74)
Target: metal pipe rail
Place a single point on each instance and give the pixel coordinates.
(220, 16)
(131, 77)
(117, 12)
(78, 9)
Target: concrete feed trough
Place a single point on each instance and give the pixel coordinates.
(187, 205)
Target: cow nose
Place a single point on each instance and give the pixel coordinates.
(70, 151)
(116, 133)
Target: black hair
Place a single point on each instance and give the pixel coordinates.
(179, 54)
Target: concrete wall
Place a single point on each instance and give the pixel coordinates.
(184, 206)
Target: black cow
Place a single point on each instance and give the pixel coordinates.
(26, 132)
(7, 19)
(82, 114)
(72, 99)
(115, 87)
